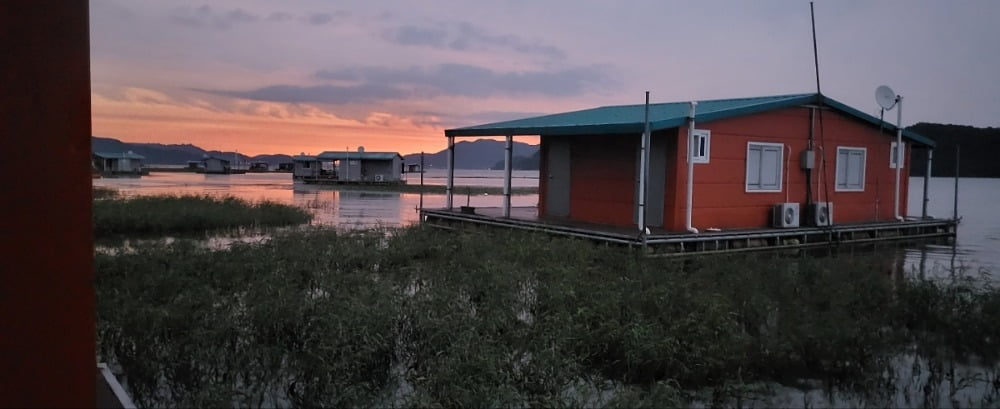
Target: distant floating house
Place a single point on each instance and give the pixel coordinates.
(259, 166)
(118, 164)
(218, 165)
(764, 165)
(349, 167)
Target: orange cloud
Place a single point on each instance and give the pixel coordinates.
(254, 127)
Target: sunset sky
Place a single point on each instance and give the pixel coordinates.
(263, 76)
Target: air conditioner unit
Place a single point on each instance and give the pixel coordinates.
(820, 214)
(785, 215)
(378, 178)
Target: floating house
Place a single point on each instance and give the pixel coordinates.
(118, 164)
(336, 167)
(218, 165)
(259, 167)
(785, 169)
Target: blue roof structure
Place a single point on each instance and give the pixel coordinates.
(621, 119)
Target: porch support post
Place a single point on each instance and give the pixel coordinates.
(507, 165)
(643, 169)
(927, 176)
(899, 154)
(451, 172)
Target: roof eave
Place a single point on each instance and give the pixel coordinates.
(909, 135)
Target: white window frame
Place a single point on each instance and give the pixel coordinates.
(902, 155)
(781, 168)
(864, 166)
(699, 155)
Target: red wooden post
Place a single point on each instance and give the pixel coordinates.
(47, 345)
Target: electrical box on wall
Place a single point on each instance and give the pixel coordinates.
(808, 160)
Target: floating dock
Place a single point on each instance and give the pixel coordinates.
(664, 243)
(357, 182)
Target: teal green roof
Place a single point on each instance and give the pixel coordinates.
(623, 119)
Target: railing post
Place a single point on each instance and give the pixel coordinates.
(507, 165)
(451, 172)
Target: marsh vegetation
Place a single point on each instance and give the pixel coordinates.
(417, 317)
(116, 215)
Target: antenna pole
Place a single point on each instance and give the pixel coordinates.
(812, 16)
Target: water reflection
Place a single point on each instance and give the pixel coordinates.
(976, 247)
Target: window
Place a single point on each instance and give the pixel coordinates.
(306, 165)
(893, 152)
(764, 166)
(700, 144)
(850, 169)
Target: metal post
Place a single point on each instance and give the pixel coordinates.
(451, 172)
(958, 150)
(507, 165)
(927, 176)
(690, 175)
(421, 181)
(899, 151)
(643, 165)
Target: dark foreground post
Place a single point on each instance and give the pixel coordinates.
(46, 280)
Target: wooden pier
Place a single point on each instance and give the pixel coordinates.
(663, 243)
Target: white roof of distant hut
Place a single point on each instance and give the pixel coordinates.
(340, 155)
(119, 155)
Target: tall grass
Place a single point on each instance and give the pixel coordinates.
(417, 317)
(147, 215)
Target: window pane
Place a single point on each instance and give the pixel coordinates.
(753, 167)
(856, 164)
(770, 168)
(842, 166)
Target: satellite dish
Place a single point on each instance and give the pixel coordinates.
(885, 97)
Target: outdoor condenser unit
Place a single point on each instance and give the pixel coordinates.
(820, 214)
(785, 215)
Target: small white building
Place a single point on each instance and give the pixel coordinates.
(125, 163)
(349, 167)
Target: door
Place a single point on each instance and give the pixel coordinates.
(557, 186)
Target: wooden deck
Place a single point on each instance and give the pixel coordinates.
(664, 243)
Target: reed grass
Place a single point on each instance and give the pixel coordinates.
(502, 318)
(157, 215)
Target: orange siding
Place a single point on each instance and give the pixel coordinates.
(602, 187)
(720, 196)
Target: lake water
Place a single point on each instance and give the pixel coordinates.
(977, 246)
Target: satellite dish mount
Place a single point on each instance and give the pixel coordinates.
(888, 100)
